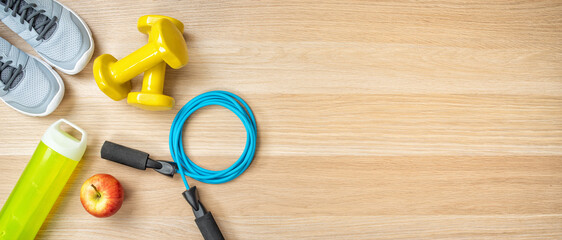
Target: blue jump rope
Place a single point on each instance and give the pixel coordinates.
(184, 166)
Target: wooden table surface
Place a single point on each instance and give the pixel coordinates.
(376, 120)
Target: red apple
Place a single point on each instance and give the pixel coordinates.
(101, 195)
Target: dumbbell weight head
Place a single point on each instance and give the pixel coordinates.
(170, 43)
(105, 80)
(151, 96)
(145, 22)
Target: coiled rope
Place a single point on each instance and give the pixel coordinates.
(186, 167)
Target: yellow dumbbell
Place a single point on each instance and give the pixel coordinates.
(113, 77)
(151, 96)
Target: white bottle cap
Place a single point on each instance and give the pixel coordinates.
(63, 143)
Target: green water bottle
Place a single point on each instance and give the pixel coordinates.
(41, 182)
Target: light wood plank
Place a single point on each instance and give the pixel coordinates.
(377, 120)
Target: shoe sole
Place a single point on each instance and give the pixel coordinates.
(56, 100)
(83, 61)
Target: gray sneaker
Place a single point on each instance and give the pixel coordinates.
(56, 33)
(28, 84)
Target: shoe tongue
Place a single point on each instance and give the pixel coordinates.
(7, 74)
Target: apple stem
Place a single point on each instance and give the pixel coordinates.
(97, 192)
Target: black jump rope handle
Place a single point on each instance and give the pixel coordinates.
(140, 160)
(135, 158)
(203, 218)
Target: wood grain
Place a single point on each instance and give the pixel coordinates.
(376, 120)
